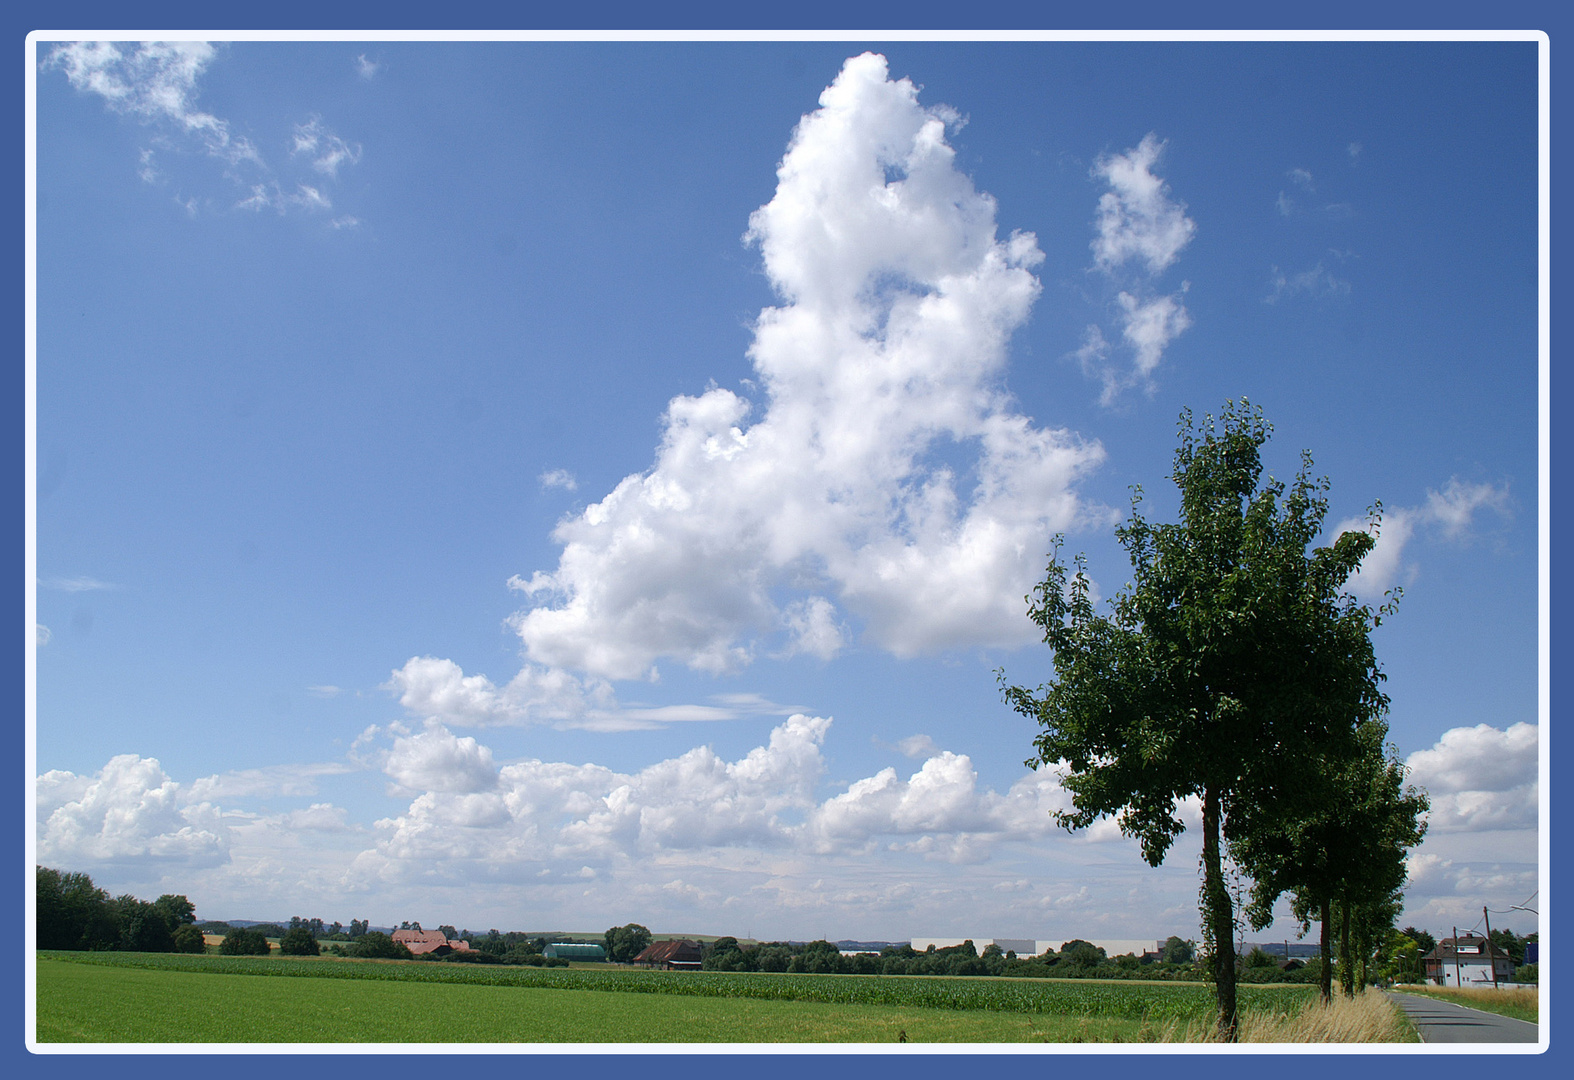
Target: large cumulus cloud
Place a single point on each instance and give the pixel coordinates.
(883, 483)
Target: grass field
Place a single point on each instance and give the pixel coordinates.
(1521, 1003)
(130, 997)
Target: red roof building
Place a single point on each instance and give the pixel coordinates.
(425, 941)
(671, 956)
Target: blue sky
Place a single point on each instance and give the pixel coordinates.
(401, 407)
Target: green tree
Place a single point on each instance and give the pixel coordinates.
(1341, 854)
(177, 910)
(243, 942)
(298, 941)
(1232, 652)
(72, 912)
(376, 945)
(624, 943)
(1177, 951)
(188, 939)
(1424, 941)
(142, 926)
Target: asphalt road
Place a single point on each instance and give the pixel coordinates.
(1445, 1022)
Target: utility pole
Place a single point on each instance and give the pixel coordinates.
(1491, 957)
(1457, 980)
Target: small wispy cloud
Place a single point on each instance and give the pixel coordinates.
(1140, 231)
(42, 633)
(326, 150)
(1318, 282)
(1449, 513)
(366, 69)
(1137, 219)
(76, 584)
(325, 691)
(154, 81)
(1354, 150)
(558, 478)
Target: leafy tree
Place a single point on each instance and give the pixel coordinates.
(72, 912)
(1342, 853)
(449, 932)
(298, 941)
(142, 926)
(1424, 941)
(177, 910)
(188, 939)
(1177, 951)
(624, 943)
(243, 942)
(376, 945)
(1510, 943)
(1232, 652)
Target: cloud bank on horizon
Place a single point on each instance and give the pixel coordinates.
(697, 832)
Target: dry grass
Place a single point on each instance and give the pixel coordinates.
(1521, 1002)
(1366, 1018)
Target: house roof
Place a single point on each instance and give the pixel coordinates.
(670, 952)
(1466, 948)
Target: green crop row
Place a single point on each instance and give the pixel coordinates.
(1081, 998)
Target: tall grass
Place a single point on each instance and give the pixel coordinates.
(1366, 1018)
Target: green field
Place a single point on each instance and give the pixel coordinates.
(130, 997)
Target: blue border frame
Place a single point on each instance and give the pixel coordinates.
(813, 14)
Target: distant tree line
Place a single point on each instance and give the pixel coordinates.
(1076, 959)
(75, 914)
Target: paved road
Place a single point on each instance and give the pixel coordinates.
(1444, 1022)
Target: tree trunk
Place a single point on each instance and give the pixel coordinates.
(1219, 915)
(1346, 961)
(1328, 957)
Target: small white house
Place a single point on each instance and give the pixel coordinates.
(1468, 960)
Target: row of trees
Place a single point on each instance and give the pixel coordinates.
(1075, 959)
(75, 914)
(1235, 669)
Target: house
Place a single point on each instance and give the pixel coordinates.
(429, 941)
(1468, 960)
(671, 956)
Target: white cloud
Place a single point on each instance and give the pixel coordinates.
(325, 150)
(288, 780)
(898, 301)
(1318, 282)
(1302, 178)
(130, 811)
(1137, 219)
(1449, 513)
(156, 83)
(153, 81)
(1149, 327)
(1137, 223)
(76, 584)
(42, 634)
(437, 761)
(559, 478)
(366, 69)
(1480, 778)
(917, 746)
(325, 691)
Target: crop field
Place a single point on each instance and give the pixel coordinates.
(116, 997)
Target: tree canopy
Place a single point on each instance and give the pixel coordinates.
(1232, 651)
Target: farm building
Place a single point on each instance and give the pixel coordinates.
(1468, 960)
(429, 941)
(573, 950)
(671, 956)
